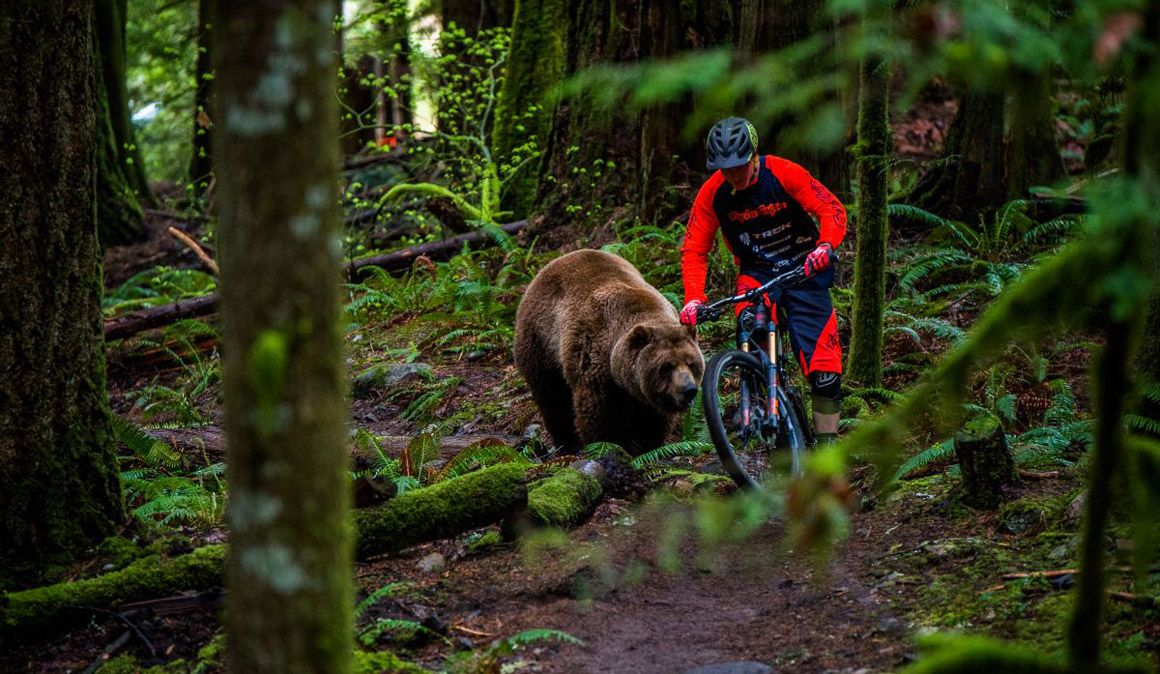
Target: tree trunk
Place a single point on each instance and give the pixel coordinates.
(1032, 151)
(59, 488)
(986, 463)
(876, 145)
(201, 160)
(289, 573)
(1112, 375)
(121, 183)
(474, 16)
(968, 180)
(535, 66)
(660, 126)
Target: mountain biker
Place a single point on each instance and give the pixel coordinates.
(762, 204)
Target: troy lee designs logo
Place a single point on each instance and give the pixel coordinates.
(751, 213)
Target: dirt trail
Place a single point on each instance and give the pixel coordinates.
(748, 602)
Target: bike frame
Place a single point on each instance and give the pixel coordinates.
(769, 357)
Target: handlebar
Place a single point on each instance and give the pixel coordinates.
(712, 312)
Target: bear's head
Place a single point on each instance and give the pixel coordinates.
(661, 364)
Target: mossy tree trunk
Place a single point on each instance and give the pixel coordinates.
(875, 146)
(59, 488)
(289, 570)
(201, 159)
(1141, 152)
(121, 184)
(535, 66)
(968, 179)
(1032, 151)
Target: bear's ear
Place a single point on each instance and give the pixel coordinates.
(691, 330)
(638, 338)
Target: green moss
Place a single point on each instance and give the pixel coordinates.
(565, 499)
(31, 612)
(211, 657)
(442, 510)
(384, 663)
(122, 664)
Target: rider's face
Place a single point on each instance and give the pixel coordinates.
(742, 176)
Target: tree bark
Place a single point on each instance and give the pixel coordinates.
(986, 463)
(59, 487)
(1032, 151)
(474, 15)
(201, 159)
(660, 128)
(289, 574)
(875, 146)
(968, 181)
(121, 183)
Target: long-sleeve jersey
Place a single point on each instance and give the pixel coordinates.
(767, 226)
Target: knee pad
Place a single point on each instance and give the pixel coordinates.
(826, 392)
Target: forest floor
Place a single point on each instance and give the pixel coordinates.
(643, 584)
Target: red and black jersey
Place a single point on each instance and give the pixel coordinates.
(767, 226)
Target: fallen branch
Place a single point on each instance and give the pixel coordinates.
(400, 260)
(1040, 574)
(196, 248)
(1038, 475)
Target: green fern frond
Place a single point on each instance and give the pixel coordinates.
(598, 450)
(375, 597)
(684, 448)
(1141, 424)
(151, 450)
(915, 214)
(940, 452)
(478, 456)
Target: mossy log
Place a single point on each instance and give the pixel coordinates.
(33, 612)
(565, 499)
(441, 511)
(986, 462)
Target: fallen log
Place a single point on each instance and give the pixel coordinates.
(400, 260)
(440, 511)
(564, 499)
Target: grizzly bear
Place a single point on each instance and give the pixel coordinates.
(604, 354)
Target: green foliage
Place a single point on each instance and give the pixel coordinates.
(181, 403)
(157, 286)
(161, 46)
(488, 660)
(649, 461)
(158, 490)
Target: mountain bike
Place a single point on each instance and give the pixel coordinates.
(756, 415)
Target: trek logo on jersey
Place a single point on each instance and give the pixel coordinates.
(751, 213)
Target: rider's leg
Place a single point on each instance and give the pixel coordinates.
(814, 326)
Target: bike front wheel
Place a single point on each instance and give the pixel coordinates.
(754, 450)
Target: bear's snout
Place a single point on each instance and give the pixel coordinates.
(684, 389)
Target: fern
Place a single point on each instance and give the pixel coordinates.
(915, 214)
(684, 448)
(598, 450)
(152, 451)
(940, 452)
(375, 597)
(478, 456)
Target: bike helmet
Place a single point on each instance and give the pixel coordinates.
(730, 144)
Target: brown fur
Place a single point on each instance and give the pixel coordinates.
(604, 354)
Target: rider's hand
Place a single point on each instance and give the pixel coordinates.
(819, 259)
(689, 313)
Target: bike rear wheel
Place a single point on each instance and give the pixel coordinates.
(736, 402)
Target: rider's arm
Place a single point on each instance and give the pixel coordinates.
(698, 242)
(814, 197)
